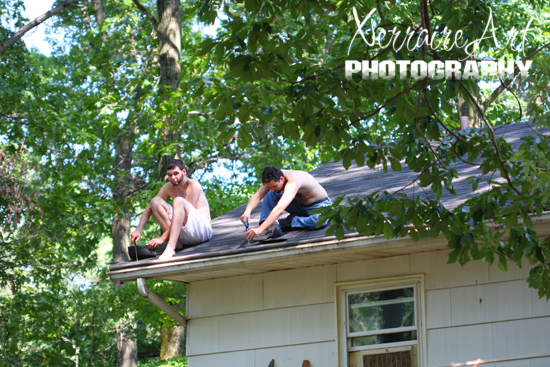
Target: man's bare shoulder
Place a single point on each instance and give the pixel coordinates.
(167, 191)
(297, 176)
(169, 188)
(195, 184)
(290, 173)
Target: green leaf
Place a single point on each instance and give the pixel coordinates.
(453, 256)
(388, 230)
(395, 164)
(340, 233)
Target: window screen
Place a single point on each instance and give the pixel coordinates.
(380, 317)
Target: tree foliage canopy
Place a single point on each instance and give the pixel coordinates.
(284, 66)
(69, 124)
(82, 132)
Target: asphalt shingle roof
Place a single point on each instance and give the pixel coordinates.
(229, 232)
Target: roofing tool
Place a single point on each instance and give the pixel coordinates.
(247, 228)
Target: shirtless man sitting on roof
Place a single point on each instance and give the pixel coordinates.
(188, 223)
(297, 192)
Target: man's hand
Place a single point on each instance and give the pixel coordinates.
(155, 242)
(252, 232)
(244, 217)
(135, 236)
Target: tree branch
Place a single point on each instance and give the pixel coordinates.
(501, 88)
(516, 97)
(420, 130)
(146, 13)
(41, 19)
(425, 15)
(388, 102)
(458, 138)
(416, 179)
(506, 85)
(493, 139)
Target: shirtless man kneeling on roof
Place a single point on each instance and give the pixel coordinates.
(297, 192)
(188, 223)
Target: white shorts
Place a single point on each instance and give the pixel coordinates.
(197, 230)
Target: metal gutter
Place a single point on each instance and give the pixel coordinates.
(159, 302)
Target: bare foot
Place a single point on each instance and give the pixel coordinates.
(167, 254)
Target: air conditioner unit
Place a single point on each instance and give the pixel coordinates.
(399, 356)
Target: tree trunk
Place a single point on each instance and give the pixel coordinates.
(169, 35)
(126, 345)
(121, 238)
(100, 16)
(172, 342)
(122, 188)
(98, 7)
(126, 350)
(467, 108)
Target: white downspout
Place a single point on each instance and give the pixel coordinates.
(159, 303)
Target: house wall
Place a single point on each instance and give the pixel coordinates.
(471, 312)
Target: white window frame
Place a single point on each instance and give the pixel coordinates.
(343, 290)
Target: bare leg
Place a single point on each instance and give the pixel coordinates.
(160, 209)
(179, 219)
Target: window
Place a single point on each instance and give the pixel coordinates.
(380, 321)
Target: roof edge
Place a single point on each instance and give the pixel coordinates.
(277, 253)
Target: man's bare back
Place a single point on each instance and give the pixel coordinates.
(309, 190)
(283, 188)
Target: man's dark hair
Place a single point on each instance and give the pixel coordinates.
(175, 163)
(271, 173)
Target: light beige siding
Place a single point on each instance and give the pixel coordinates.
(225, 296)
(318, 354)
(490, 303)
(499, 340)
(440, 275)
(438, 308)
(299, 287)
(262, 329)
(475, 311)
(458, 344)
(372, 269)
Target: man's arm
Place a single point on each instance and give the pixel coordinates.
(291, 189)
(253, 202)
(146, 215)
